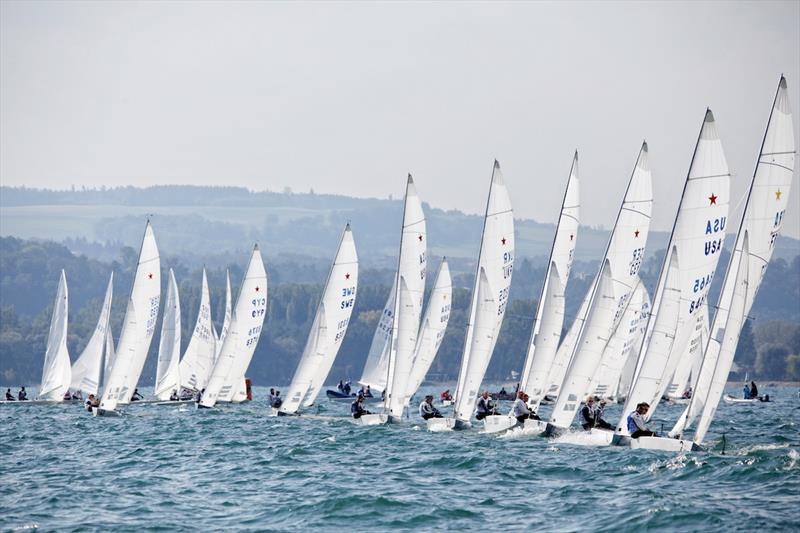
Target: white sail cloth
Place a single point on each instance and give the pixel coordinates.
(87, 368)
(169, 346)
(56, 371)
(198, 360)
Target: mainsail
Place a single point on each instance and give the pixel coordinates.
(489, 294)
(376, 369)
(692, 255)
(549, 320)
(226, 322)
(86, 370)
(195, 367)
(169, 346)
(56, 372)
(138, 326)
(227, 376)
(615, 283)
(329, 327)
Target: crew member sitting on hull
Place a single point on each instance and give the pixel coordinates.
(22, 395)
(637, 426)
(367, 392)
(357, 407)
(446, 396)
(485, 406)
(427, 410)
(174, 396)
(746, 391)
(753, 390)
(136, 396)
(9, 396)
(67, 396)
(520, 409)
(92, 401)
(687, 394)
(271, 396)
(276, 400)
(593, 415)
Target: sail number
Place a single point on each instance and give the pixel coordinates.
(700, 283)
(636, 260)
(508, 264)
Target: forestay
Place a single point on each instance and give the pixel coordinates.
(489, 294)
(329, 327)
(245, 329)
(195, 367)
(169, 346)
(138, 326)
(56, 373)
(549, 320)
(616, 282)
(86, 370)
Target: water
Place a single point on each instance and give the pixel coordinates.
(233, 468)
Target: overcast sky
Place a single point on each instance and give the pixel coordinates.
(349, 97)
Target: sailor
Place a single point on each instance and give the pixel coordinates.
(520, 408)
(598, 416)
(593, 415)
(90, 402)
(22, 395)
(347, 389)
(67, 396)
(367, 392)
(746, 391)
(687, 394)
(271, 396)
(357, 407)
(427, 410)
(9, 396)
(174, 396)
(340, 386)
(502, 391)
(136, 396)
(77, 395)
(485, 406)
(446, 396)
(753, 390)
(276, 400)
(637, 425)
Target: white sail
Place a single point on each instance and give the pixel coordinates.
(550, 312)
(411, 269)
(376, 369)
(761, 220)
(489, 294)
(616, 282)
(689, 363)
(696, 241)
(138, 326)
(56, 371)
(329, 327)
(169, 346)
(195, 367)
(247, 321)
(432, 329)
(110, 356)
(227, 320)
(616, 353)
(86, 370)
(629, 369)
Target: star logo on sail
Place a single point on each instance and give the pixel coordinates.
(713, 199)
(778, 194)
(420, 238)
(636, 234)
(347, 276)
(257, 288)
(571, 236)
(503, 240)
(150, 275)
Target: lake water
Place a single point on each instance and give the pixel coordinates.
(233, 468)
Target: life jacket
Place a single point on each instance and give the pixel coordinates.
(632, 427)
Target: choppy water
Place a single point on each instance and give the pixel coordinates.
(234, 468)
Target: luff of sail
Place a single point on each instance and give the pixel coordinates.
(247, 321)
(549, 320)
(432, 329)
(411, 269)
(86, 370)
(56, 371)
(195, 367)
(616, 282)
(697, 236)
(329, 327)
(169, 346)
(138, 325)
(489, 294)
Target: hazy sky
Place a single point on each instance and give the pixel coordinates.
(348, 97)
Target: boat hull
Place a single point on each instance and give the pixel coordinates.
(372, 419)
(499, 423)
(664, 444)
(532, 425)
(96, 411)
(750, 401)
(444, 424)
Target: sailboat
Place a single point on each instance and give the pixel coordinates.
(489, 302)
(169, 347)
(376, 368)
(630, 366)
(137, 329)
(685, 377)
(409, 293)
(760, 226)
(432, 329)
(195, 367)
(546, 331)
(247, 320)
(613, 287)
(689, 265)
(56, 372)
(87, 368)
(328, 329)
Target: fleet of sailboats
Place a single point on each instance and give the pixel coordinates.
(620, 346)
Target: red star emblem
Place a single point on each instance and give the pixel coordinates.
(420, 238)
(150, 275)
(636, 233)
(347, 276)
(503, 240)
(571, 237)
(257, 289)
(712, 199)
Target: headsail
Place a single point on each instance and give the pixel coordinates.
(226, 322)
(138, 326)
(227, 376)
(169, 346)
(56, 372)
(195, 367)
(329, 327)
(376, 369)
(86, 370)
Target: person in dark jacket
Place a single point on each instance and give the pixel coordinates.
(485, 406)
(357, 407)
(753, 390)
(427, 410)
(637, 426)
(22, 395)
(9, 396)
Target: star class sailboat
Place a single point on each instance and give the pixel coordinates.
(87, 368)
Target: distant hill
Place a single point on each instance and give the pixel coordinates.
(209, 225)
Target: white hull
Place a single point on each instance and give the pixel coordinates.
(444, 424)
(731, 399)
(374, 419)
(664, 444)
(679, 401)
(499, 423)
(96, 411)
(38, 402)
(534, 425)
(447, 403)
